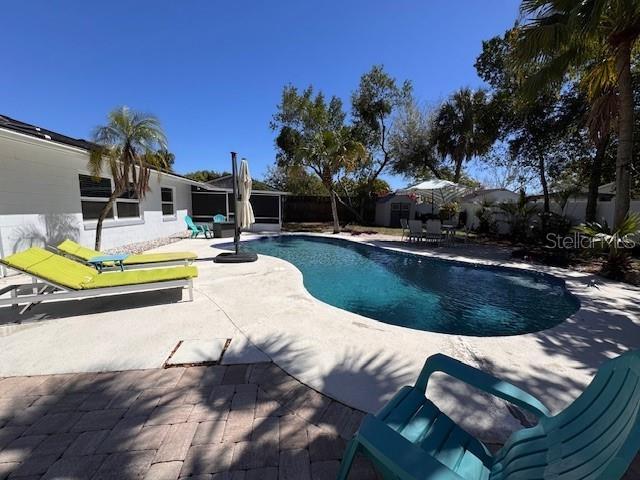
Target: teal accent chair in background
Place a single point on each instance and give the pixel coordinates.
(594, 438)
(196, 229)
(219, 218)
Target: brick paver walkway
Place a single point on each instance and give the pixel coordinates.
(240, 422)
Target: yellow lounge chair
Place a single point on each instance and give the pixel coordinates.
(56, 277)
(144, 260)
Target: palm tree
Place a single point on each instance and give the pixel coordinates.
(126, 147)
(336, 151)
(560, 36)
(618, 242)
(459, 130)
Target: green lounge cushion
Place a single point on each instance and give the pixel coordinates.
(49, 266)
(67, 273)
(77, 250)
(140, 277)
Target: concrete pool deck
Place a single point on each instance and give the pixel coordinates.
(353, 359)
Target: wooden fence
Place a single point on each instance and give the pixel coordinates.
(306, 208)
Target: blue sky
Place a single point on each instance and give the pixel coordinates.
(213, 71)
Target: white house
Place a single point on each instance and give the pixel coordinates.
(47, 195)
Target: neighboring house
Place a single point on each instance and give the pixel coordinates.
(473, 202)
(574, 207)
(47, 195)
(493, 195)
(392, 207)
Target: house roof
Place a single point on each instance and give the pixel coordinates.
(43, 133)
(220, 184)
(226, 182)
(14, 125)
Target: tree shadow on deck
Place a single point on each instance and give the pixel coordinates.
(250, 421)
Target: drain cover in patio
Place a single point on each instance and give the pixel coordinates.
(191, 352)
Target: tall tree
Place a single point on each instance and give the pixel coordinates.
(559, 36)
(312, 134)
(544, 131)
(165, 159)
(206, 175)
(413, 153)
(295, 179)
(463, 128)
(126, 147)
(375, 105)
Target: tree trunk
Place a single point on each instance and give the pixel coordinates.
(103, 214)
(543, 182)
(625, 133)
(594, 180)
(334, 212)
(456, 177)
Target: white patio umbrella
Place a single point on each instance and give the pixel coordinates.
(243, 207)
(437, 192)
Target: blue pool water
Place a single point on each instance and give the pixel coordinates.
(423, 293)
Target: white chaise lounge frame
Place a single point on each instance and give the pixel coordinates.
(41, 290)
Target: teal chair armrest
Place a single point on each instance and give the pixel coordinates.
(481, 380)
(398, 455)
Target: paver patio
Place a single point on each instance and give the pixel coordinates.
(238, 422)
(220, 422)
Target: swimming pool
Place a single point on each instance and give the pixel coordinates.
(423, 293)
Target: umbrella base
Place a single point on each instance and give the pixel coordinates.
(232, 257)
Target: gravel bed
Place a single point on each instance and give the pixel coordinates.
(139, 247)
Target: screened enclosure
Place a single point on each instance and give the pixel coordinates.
(267, 206)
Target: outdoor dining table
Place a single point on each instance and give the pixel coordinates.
(448, 230)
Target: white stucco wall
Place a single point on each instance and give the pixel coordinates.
(40, 199)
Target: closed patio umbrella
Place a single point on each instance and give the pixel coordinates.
(245, 211)
(243, 217)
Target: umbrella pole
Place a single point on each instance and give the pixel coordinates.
(234, 175)
(236, 256)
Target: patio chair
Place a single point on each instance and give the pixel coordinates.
(143, 260)
(219, 218)
(404, 224)
(196, 229)
(433, 232)
(55, 277)
(415, 230)
(595, 438)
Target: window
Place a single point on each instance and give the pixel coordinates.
(94, 195)
(128, 204)
(167, 201)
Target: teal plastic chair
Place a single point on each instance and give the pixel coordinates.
(196, 229)
(594, 438)
(219, 218)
